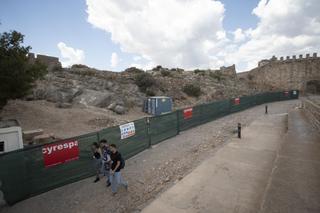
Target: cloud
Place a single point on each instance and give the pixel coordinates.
(168, 32)
(239, 35)
(285, 28)
(114, 60)
(70, 55)
(190, 33)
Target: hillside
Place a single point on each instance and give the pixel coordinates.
(120, 92)
(78, 100)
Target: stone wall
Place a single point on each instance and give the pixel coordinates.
(49, 61)
(230, 71)
(312, 110)
(285, 74)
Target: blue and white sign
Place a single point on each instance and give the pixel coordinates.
(127, 130)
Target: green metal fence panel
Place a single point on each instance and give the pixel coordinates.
(23, 173)
(245, 102)
(12, 173)
(163, 127)
(36, 178)
(129, 146)
(187, 123)
(214, 110)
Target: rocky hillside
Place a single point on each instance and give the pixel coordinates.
(120, 92)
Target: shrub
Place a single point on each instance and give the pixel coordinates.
(216, 75)
(157, 68)
(144, 81)
(150, 92)
(133, 70)
(165, 73)
(75, 66)
(197, 71)
(192, 90)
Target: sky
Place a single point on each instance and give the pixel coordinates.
(189, 34)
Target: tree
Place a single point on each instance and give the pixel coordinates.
(17, 73)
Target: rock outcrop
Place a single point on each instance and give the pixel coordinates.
(118, 92)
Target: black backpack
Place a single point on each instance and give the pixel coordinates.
(122, 163)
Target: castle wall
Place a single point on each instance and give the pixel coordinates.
(292, 73)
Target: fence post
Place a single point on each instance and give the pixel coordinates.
(178, 122)
(147, 121)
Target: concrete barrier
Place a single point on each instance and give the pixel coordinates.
(312, 111)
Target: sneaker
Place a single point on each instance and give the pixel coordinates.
(126, 187)
(96, 180)
(114, 193)
(108, 184)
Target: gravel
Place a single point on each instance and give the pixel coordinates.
(150, 172)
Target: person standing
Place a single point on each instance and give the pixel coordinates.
(115, 173)
(97, 160)
(106, 160)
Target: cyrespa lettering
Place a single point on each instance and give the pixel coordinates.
(50, 149)
(60, 152)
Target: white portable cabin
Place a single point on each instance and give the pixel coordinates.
(10, 136)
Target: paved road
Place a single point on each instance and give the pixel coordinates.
(267, 171)
(295, 181)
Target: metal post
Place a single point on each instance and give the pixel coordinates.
(178, 122)
(148, 131)
(239, 130)
(266, 109)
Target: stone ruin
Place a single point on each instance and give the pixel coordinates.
(50, 61)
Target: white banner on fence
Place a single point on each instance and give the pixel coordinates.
(127, 130)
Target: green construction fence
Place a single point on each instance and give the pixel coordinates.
(23, 174)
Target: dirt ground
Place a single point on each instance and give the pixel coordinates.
(64, 123)
(148, 173)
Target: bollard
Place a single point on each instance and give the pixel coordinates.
(239, 130)
(266, 109)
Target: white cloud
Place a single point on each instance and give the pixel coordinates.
(114, 60)
(168, 32)
(190, 33)
(137, 58)
(239, 35)
(70, 55)
(285, 28)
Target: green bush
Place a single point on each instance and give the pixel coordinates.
(79, 66)
(192, 90)
(165, 73)
(150, 92)
(144, 81)
(133, 70)
(216, 75)
(197, 71)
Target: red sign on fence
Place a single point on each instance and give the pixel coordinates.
(286, 93)
(187, 113)
(58, 153)
(236, 101)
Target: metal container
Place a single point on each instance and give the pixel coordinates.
(158, 105)
(10, 136)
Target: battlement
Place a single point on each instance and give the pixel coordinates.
(288, 59)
